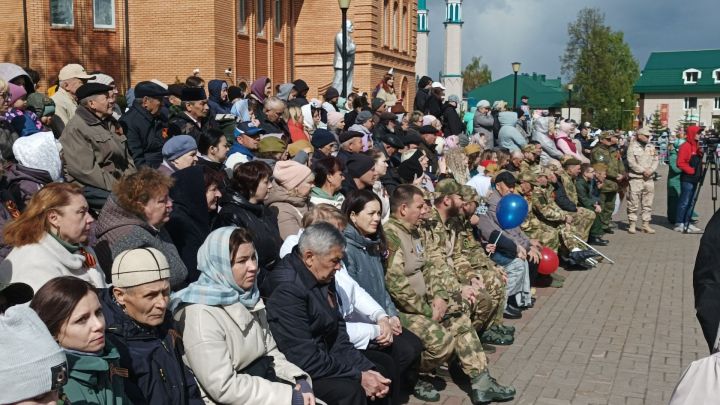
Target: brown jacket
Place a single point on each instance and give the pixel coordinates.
(95, 152)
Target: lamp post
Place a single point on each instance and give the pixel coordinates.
(516, 69)
(622, 106)
(344, 6)
(570, 89)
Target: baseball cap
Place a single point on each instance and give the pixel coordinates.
(244, 128)
(447, 187)
(438, 85)
(74, 70)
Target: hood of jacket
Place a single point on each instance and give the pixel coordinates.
(18, 172)
(188, 195)
(113, 217)
(507, 118)
(279, 194)
(542, 125)
(692, 132)
(10, 71)
(214, 89)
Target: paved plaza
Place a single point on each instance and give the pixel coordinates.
(617, 334)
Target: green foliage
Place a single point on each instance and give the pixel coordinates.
(602, 68)
(475, 74)
(656, 126)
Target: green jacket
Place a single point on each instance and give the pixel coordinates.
(611, 157)
(585, 195)
(95, 379)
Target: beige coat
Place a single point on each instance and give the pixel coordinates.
(65, 105)
(289, 209)
(221, 340)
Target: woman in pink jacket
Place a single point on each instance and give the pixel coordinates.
(566, 144)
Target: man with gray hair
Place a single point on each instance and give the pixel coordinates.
(71, 77)
(140, 326)
(95, 150)
(273, 122)
(304, 317)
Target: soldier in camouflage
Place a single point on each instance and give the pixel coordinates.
(643, 161)
(583, 217)
(604, 152)
(431, 305)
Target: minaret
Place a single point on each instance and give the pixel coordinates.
(452, 70)
(421, 61)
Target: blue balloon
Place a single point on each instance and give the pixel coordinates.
(511, 211)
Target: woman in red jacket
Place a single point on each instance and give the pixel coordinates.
(689, 161)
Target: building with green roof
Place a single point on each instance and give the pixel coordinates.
(542, 92)
(682, 86)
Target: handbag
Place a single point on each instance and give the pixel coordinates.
(700, 383)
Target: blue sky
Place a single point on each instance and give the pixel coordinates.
(534, 32)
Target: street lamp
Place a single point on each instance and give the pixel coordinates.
(516, 69)
(344, 6)
(570, 89)
(622, 105)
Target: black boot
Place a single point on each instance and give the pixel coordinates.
(597, 241)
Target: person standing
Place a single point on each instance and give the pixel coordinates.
(690, 162)
(642, 161)
(603, 153)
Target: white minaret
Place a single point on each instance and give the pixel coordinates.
(452, 70)
(421, 60)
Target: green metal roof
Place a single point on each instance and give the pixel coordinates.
(663, 72)
(543, 92)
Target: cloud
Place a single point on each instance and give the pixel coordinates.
(534, 32)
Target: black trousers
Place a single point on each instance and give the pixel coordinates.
(404, 354)
(339, 391)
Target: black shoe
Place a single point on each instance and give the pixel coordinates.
(579, 256)
(597, 241)
(512, 313)
(608, 231)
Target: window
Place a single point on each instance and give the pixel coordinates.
(690, 103)
(278, 19)
(716, 76)
(717, 103)
(61, 13)
(395, 26)
(404, 30)
(242, 16)
(104, 13)
(691, 76)
(385, 23)
(260, 17)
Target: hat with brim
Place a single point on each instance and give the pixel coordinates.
(149, 89)
(244, 128)
(348, 135)
(74, 71)
(446, 187)
(193, 94)
(271, 144)
(91, 89)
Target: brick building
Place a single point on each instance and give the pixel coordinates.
(167, 40)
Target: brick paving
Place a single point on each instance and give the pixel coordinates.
(617, 334)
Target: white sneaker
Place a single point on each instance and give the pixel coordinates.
(694, 229)
(679, 228)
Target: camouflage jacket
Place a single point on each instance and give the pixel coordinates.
(611, 157)
(544, 206)
(406, 277)
(467, 249)
(438, 249)
(569, 184)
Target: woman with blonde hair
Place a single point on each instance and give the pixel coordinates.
(49, 239)
(296, 124)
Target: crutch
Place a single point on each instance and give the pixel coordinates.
(593, 249)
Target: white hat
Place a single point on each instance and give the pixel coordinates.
(73, 70)
(102, 78)
(139, 266)
(32, 362)
(437, 85)
(483, 103)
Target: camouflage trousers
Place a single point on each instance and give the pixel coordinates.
(488, 314)
(582, 222)
(546, 234)
(455, 333)
(640, 197)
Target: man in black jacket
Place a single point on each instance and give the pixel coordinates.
(142, 329)
(706, 281)
(308, 328)
(194, 118)
(145, 130)
(423, 93)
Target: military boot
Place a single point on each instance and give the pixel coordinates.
(495, 338)
(504, 329)
(631, 228)
(425, 391)
(647, 229)
(486, 389)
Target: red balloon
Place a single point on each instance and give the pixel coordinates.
(549, 261)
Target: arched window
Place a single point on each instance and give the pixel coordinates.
(260, 15)
(242, 16)
(404, 31)
(395, 26)
(691, 76)
(278, 19)
(385, 35)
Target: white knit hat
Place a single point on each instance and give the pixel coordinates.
(139, 266)
(32, 362)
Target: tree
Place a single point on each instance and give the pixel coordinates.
(601, 66)
(475, 74)
(656, 126)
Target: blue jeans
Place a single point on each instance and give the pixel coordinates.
(687, 191)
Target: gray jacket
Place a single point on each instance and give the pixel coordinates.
(540, 132)
(509, 137)
(363, 260)
(483, 125)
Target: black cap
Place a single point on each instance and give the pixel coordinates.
(149, 89)
(388, 116)
(91, 89)
(428, 129)
(393, 140)
(506, 178)
(412, 137)
(331, 93)
(359, 164)
(193, 94)
(176, 89)
(348, 135)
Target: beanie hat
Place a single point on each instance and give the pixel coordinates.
(363, 117)
(16, 93)
(289, 173)
(102, 78)
(271, 144)
(359, 164)
(376, 103)
(483, 103)
(295, 147)
(139, 266)
(334, 118)
(33, 363)
(177, 146)
(322, 137)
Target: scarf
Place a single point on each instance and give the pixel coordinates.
(89, 262)
(216, 285)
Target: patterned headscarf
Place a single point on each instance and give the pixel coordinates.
(216, 285)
